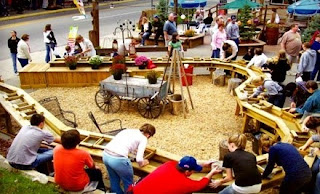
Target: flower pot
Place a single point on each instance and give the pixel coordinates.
(72, 67)
(152, 81)
(117, 76)
(142, 66)
(95, 67)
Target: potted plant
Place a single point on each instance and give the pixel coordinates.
(117, 70)
(141, 62)
(272, 33)
(246, 27)
(119, 59)
(71, 62)
(95, 61)
(152, 76)
(189, 33)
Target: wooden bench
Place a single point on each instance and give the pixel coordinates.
(108, 51)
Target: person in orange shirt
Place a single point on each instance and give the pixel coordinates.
(69, 163)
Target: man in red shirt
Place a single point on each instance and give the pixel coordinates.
(172, 177)
(69, 163)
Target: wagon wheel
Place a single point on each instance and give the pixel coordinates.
(108, 102)
(149, 108)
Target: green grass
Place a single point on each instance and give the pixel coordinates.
(15, 183)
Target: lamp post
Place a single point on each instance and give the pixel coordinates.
(126, 25)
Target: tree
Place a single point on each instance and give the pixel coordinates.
(313, 26)
(247, 27)
(162, 10)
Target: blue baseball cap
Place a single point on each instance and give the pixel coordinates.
(233, 17)
(189, 163)
(156, 16)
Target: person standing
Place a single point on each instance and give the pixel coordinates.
(24, 50)
(307, 62)
(291, 43)
(169, 28)
(316, 46)
(25, 152)
(49, 40)
(86, 46)
(115, 155)
(157, 29)
(233, 30)
(217, 39)
(279, 67)
(145, 30)
(13, 46)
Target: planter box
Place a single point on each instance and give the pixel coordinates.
(191, 42)
(243, 46)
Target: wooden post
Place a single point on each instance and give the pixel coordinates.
(176, 7)
(94, 34)
(245, 123)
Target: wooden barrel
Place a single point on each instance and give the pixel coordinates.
(272, 36)
(176, 104)
(223, 149)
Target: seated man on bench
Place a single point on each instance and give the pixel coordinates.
(26, 152)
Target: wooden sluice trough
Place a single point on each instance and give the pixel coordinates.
(21, 106)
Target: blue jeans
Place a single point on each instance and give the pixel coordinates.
(237, 41)
(277, 100)
(14, 62)
(216, 53)
(316, 175)
(48, 50)
(317, 184)
(23, 62)
(228, 190)
(119, 169)
(44, 155)
(144, 37)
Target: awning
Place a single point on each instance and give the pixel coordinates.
(239, 4)
(305, 7)
(189, 4)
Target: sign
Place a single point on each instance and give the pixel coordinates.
(223, 2)
(73, 30)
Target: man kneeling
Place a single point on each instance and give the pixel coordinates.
(69, 163)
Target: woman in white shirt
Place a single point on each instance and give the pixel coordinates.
(115, 155)
(24, 50)
(86, 46)
(49, 40)
(259, 59)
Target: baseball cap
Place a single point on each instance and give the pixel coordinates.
(156, 16)
(189, 163)
(233, 17)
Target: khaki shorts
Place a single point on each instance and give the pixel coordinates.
(292, 59)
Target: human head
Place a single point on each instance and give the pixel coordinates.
(68, 48)
(25, 37)
(282, 54)
(251, 51)
(238, 141)
(311, 86)
(188, 165)
(209, 14)
(175, 37)
(148, 130)
(221, 27)
(318, 38)
(313, 123)
(13, 33)
(70, 139)
(266, 142)
(156, 18)
(144, 20)
(79, 38)
(225, 46)
(47, 27)
(257, 81)
(294, 27)
(234, 18)
(37, 120)
(306, 45)
(274, 9)
(171, 17)
(258, 51)
(290, 89)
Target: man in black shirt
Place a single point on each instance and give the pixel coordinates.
(13, 44)
(208, 20)
(157, 28)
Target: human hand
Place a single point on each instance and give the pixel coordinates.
(293, 105)
(292, 110)
(302, 148)
(215, 184)
(215, 169)
(144, 163)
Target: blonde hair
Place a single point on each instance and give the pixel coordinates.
(239, 140)
(79, 38)
(257, 80)
(266, 141)
(144, 20)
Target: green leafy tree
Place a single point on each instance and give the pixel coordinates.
(247, 31)
(162, 10)
(313, 26)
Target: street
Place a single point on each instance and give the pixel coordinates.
(61, 22)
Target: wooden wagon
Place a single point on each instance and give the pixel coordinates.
(148, 97)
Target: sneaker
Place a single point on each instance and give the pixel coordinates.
(17, 73)
(141, 44)
(155, 45)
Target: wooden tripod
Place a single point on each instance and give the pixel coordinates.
(177, 66)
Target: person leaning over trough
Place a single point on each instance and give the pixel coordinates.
(312, 105)
(259, 59)
(298, 93)
(70, 162)
(307, 62)
(291, 43)
(115, 155)
(86, 46)
(279, 66)
(24, 50)
(173, 177)
(312, 122)
(243, 164)
(274, 91)
(229, 50)
(297, 171)
(26, 151)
